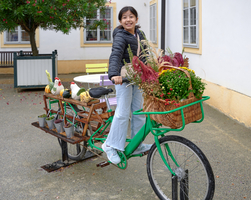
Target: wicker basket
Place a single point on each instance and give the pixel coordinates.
(174, 119)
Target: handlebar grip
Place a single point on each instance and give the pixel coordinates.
(124, 80)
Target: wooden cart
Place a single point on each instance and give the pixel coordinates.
(88, 116)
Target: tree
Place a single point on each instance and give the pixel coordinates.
(58, 15)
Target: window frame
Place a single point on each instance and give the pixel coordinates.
(98, 41)
(189, 44)
(153, 6)
(19, 32)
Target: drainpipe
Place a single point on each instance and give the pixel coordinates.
(163, 23)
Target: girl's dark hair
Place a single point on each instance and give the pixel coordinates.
(125, 9)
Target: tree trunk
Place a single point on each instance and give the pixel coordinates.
(32, 34)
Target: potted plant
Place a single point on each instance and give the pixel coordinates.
(59, 125)
(69, 129)
(41, 120)
(50, 122)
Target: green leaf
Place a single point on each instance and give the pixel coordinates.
(80, 91)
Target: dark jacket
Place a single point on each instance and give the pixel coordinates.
(121, 39)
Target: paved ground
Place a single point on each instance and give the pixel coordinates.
(24, 149)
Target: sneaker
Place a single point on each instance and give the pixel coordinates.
(142, 148)
(111, 153)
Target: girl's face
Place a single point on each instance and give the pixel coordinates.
(128, 21)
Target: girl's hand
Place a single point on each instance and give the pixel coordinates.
(117, 80)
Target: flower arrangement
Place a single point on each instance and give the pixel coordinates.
(175, 84)
(170, 84)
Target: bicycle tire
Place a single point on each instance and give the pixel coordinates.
(195, 178)
(76, 151)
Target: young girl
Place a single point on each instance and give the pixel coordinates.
(129, 99)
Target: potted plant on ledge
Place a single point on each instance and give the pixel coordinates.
(41, 120)
(69, 129)
(50, 122)
(59, 125)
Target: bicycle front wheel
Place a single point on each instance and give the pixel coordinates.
(194, 178)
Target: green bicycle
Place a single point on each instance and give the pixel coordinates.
(176, 167)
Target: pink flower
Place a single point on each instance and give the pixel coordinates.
(179, 58)
(39, 11)
(64, 4)
(27, 2)
(34, 4)
(146, 73)
(4, 19)
(171, 89)
(168, 93)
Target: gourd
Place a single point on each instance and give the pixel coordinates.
(47, 89)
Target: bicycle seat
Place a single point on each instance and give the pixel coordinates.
(99, 91)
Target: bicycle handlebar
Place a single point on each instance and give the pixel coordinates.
(124, 80)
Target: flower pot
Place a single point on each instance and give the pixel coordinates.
(41, 121)
(50, 123)
(59, 126)
(69, 131)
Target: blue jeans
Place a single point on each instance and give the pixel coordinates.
(129, 99)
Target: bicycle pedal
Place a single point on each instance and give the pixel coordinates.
(145, 153)
(103, 164)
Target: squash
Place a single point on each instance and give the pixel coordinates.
(61, 92)
(47, 89)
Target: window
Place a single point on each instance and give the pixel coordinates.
(153, 23)
(97, 35)
(17, 36)
(190, 23)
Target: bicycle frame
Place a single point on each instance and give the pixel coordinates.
(149, 126)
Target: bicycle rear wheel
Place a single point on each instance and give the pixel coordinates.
(76, 151)
(194, 176)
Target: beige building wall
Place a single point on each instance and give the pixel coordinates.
(76, 66)
(229, 102)
(65, 66)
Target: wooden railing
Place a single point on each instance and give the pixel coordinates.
(6, 58)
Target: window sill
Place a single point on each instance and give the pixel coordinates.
(193, 50)
(97, 45)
